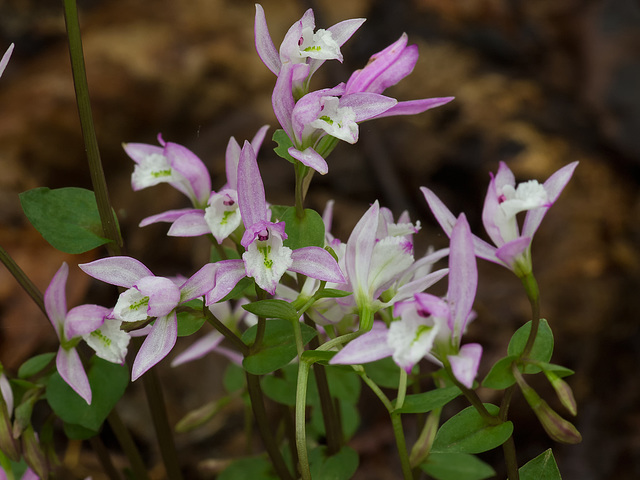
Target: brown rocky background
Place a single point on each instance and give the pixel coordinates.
(538, 84)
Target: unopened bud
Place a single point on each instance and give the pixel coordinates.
(33, 454)
(557, 428)
(8, 445)
(564, 392)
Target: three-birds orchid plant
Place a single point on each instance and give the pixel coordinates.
(303, 276)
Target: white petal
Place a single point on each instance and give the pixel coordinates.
(109, 342)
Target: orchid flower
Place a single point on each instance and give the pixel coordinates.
(504, 200)
(378, 258)
(266, 258)
(173, 164)
(84, 321)
(5, 58)
(428, 325)
(148, 296)
(302, 45)
(221, 215)
(385, 69)
(330, 111)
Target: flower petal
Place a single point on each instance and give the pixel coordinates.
(465, 364)
(413, 107)
(264, 45)
(164, 295)
(310, 158)
(84, 319)
(157, 345)
(199, 348)
(120, 271)
(316, 262)
(70, 368)
(199, 284)
(190, 224)
(5, 59)
(109, 341)
(189, 165)
(251, 199)
(168, 216)
(55, 301)
(463, 275)
(228, 274)
(366, 348)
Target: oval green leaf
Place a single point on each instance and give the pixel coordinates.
(456, 466)
(543, 467)
(427, 401)
(307, 231)
(67, 218)
(542, 347)
(469, 432)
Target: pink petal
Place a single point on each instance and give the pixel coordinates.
(84, 319)
(157, 345)
(199, 284)
(5, 59)
(168, 216)
(366, 348)
(251, 199)
(310, 158)
(509, 251)
(367, 105)
(164, 295)
(360, 247)
(189, 165)
(190, 224)
(120, 271)
(139, 151)
(316, 262)
(228, 274)
(264, 45)
(72, 372)
(413, 107)
(465, 364)
(463, 274)
(55, 301)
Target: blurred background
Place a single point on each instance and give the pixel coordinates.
(538, 84)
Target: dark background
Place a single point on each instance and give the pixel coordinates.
(538, 84)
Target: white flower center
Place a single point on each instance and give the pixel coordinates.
(319, 45)
(131, 306)
(527, 196)
(337, 121)
(152, 170)
(222, 214)
(109, 342)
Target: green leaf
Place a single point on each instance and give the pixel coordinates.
(317, 356)
(284, 142)
(108, 382)
(341, 466)
(239, 289)
(427, 401)
(273, 308)
(277, 211)
(332, 293)
(67, 218)
(307, 231)
(78, 432)
(35, 365)
(500, 376)
(456, 466)
(257, 468)
(542, 347)
(559, 370)
(278, 346)
(190, 321)
(543, 467)
(468, 432)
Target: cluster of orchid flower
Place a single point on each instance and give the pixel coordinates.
(376, 264)
(382, 284)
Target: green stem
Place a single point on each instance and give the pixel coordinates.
(301, 432)
(260, 414)
(22, 278)
(510, 459)
(155, 400)
(473, 399)
(422, 447)
(332, 424)
(226, 331)
(533, 293)
(398, 433)
(374, 387)
(128, 446)
(301, 171)
(78, 69)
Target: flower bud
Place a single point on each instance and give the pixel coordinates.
(33, 454)
(556, 427)
(564, 392)
(8, 444)
(200, 416)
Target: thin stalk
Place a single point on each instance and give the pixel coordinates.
(260, 414)
(474, 400)
(398, 433)
(128, 446)
(22, 278)
(301, 171)
(510, 459)
(531, 287)
(332, 423)
(98, 181)
(104, 458)
(422, 447)
(301, 431)
(226, 331)
(374, 388)
(262, 324)
(155, 400)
